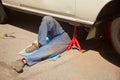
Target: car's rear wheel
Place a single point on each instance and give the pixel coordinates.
(3, 16)
(115, 34)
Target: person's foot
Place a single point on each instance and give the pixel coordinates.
(18, 66)
(33, 47)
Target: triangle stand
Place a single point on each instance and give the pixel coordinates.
(74, 44)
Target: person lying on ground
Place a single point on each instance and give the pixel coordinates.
(59, 41)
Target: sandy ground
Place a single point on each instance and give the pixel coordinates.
(98, 62)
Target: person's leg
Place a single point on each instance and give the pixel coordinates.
(18, 65)
(42, 34)
(56, 46)
(43, 31)
(46, 25)
(32, 47)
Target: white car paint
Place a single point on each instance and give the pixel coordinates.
(83, 11)
(88, 10)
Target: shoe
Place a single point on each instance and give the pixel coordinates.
(18, 66)
(33, 47)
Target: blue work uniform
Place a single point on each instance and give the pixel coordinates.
(59, 40)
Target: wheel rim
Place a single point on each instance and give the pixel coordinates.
(117, 36)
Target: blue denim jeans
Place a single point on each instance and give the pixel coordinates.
(59, 40)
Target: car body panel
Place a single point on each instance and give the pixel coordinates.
(55, 6)
(12, 2)
(88, 10)
(82, 11)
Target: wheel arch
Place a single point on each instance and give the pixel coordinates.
(109, 11)
(3, 15)
(107, 14)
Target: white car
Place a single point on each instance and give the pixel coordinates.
(95, 14)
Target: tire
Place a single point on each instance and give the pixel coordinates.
(3, 16)
(115, 34)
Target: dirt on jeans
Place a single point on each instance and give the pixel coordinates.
(6, 72)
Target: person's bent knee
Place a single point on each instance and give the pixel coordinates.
(47, 19)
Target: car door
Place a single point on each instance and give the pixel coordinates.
(61, 7)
